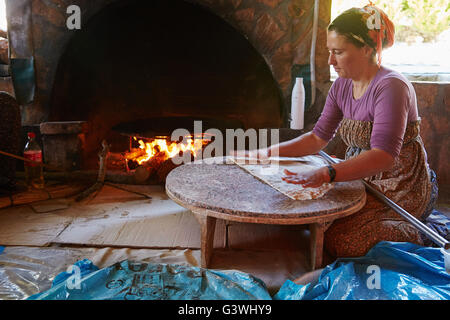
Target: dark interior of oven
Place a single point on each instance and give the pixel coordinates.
(137, 61)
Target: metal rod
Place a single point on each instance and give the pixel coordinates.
(436, 238)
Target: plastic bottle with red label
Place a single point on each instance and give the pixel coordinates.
(34, 173)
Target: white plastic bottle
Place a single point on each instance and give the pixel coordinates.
(298, 105)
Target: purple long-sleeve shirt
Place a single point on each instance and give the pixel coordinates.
(389, 101)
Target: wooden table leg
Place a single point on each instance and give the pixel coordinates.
(208, 226)
(316, 243)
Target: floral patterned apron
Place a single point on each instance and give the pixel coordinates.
(409, 184)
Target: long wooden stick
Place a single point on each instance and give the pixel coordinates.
(31, 161)
(20, 158)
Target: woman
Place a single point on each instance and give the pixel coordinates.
(375, 112)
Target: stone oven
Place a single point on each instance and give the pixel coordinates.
(131, 61)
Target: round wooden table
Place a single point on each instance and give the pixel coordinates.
(226, 191)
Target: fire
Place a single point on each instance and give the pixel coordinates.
(164, 149)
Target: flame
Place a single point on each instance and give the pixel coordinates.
(164, 148)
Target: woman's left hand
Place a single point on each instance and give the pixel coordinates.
(309, 179)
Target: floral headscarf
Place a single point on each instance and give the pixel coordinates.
(380, 29)
(367, 26)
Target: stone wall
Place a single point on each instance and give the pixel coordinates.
(6, 85)
(434, 108)
(281, 30)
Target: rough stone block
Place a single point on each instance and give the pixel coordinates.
(63, 143)
(442, 170)
(426, 94)
(267, 33)
(281, 65)
(63, 127)
(447, 96)
(6, 85)
(270, 3)
(244, 19)
(4, 47)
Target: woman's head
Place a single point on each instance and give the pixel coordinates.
(368, 26)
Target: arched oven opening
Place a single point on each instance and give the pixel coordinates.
(137, 62)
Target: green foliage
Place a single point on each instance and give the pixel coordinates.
(428, 17)
(412, 18)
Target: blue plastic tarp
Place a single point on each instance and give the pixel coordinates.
(129, 280)
(389, 271)
(80, 268)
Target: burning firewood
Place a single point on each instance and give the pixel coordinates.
(149, 168)
(153, 159)
(141, 174)
(116, 161)
(164, 170)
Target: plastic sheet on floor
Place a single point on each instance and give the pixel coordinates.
(389, 271)
(129, 280)
(439, 223)
(25, 271)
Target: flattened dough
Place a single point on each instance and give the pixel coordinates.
(271, 173)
